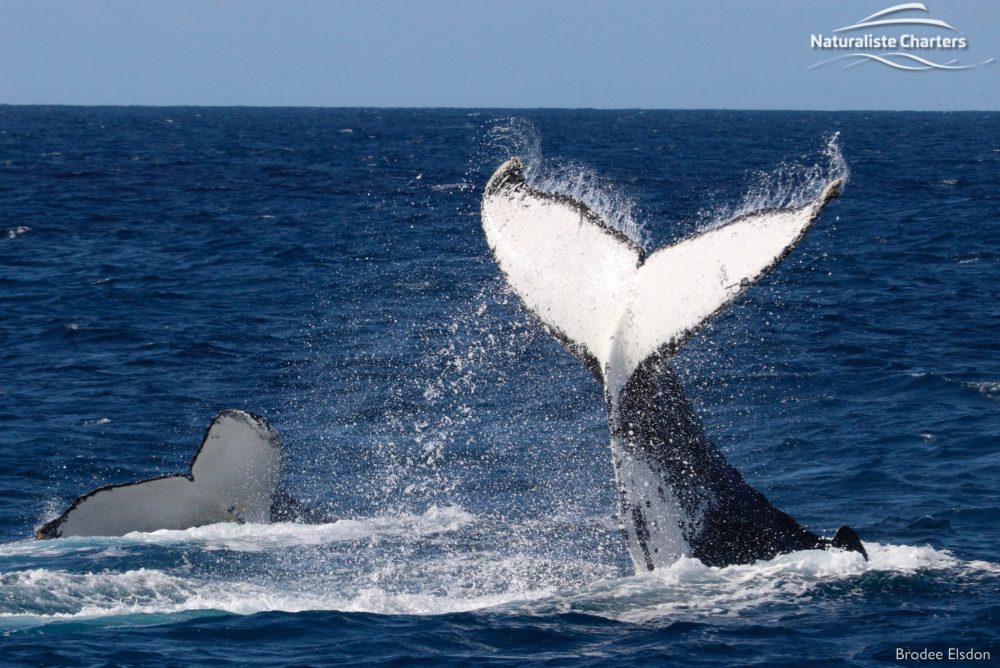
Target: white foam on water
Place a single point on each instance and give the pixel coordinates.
(443, 561)
(14, 232)
(64, 595)
(257, 537)
(260, 537)
(988, 388)
(688, 589)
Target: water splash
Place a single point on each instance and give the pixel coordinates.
(789, 185)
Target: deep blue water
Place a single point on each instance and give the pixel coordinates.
(326, 268)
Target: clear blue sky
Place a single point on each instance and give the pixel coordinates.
(472, 53)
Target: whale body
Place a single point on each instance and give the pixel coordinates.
(233, 477)
(624, 314)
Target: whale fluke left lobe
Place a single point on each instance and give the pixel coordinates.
(233, 477)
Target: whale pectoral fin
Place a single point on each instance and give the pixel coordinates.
(233, 477)
(847, 538)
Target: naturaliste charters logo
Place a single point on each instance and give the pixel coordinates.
(897, 50)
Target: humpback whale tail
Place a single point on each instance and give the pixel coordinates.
(624, 313)
(233, 477)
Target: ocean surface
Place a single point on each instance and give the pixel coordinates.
(326, 268)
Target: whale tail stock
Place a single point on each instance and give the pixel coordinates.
(624, 313)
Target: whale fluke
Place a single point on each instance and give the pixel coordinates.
(233, 477)
(624, 314)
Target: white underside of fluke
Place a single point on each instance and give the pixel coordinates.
(233, 477)
(597, 290)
